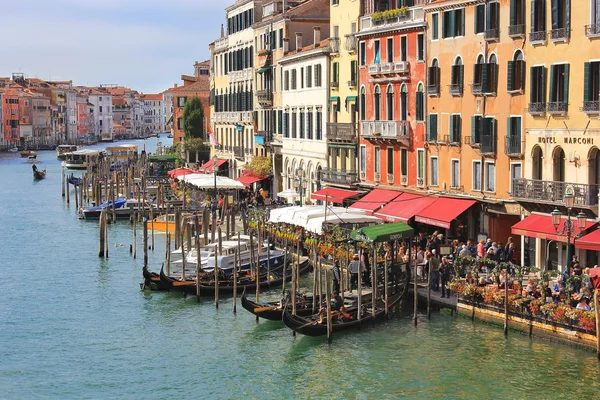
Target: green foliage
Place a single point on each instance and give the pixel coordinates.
(193, 118)
(376, 16)
(259, 166)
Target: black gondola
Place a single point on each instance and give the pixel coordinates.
(37, 174)
(312, 325)
(273, 310)
(151, 281)
(207, 287)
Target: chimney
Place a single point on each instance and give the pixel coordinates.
(222, 31)
(286, 45)
(175, 85)
(317, 35)
(298, 41)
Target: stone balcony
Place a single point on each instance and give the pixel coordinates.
(221, 43)
(339, 176)
(341, 132)
(413, 16)
(386, 130)
(551, 193)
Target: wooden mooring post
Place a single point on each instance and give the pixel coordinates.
(102, 233)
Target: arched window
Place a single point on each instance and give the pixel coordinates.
(516, 72)
(363, 104)
(433, 78)
(478, 75)
(594, 168)
(376, 103)
(403, 102)
(492, 75)
(456, 86)
(420, 111)
(389, 106)
(536, 163)
(558, 164)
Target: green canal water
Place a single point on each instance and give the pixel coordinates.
(73, 326)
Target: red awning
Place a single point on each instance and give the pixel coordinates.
(177, 172)
(376, 199)
(207, 167)
(591, 241)
(540, 226)
(333, 195)
(249, 179)
(443, 211)
(404, 207)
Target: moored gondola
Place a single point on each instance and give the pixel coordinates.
(226, 287)
(151, 281)
(273, 310)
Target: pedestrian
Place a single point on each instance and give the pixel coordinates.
(367, 272)
(445, 272)
(434, 267)
(354, 267)
(336, 276)
(481, 249)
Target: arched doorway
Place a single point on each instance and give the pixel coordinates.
(536, 163)
(558, 165)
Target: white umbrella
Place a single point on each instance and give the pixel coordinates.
(287, 193)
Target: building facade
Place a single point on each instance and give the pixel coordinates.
(102, 116)
(304, 99)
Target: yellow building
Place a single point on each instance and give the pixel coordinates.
(562, 116)
(475, 101)
(342, 139)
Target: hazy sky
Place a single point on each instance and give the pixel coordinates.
(143, 44)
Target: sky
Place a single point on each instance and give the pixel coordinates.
(143, 44)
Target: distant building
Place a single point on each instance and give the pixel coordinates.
(197, 85)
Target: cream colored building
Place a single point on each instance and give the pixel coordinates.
(304, 118)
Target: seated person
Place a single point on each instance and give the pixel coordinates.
(337, 301)
(583, 304)
(343, 315)
(530, 289)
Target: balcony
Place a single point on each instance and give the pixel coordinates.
(221, 43)
(341, 132)
(455, 89)
(238, 152)
(516, 31)
(536, 108)
(350, 43)
(491, 34)
(334, 45)
(559, 35)
(246, 117)
(592, 31)
(265, 98)
(386, 130)
(386, 68)
(339, 176)
(537, 37)
(488, 143)
(401, 67)
(433, 89)
(390, 179)
(352, 83)
(476, 89)
(514, 146)
(373, 69)
(591, 107)
(412, 16)
(557, 107)
(552, 192)
(334, 85)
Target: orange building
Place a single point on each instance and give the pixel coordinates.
(198, 85)
(475, 84)
(10, 109)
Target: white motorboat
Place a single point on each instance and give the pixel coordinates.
(13, 150)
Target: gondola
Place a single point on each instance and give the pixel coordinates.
(151, 280)
(37, 174)
(207, 287)
(273, 310)
(310, 326)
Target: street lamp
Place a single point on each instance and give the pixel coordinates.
(568, 228)
(300, 183)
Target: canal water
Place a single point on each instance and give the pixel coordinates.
(73, 326)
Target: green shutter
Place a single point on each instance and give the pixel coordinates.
(461, 74)
(444, 25)
(475, 129)
(495, 68)
(509, 132)
(513, 13)
(451, 27)
(517, 132)
(335, 68)
(435, 21)
(430, 75)
(521, 65)
(566, 87)
(492, 132)
(553, 72)
(279, 121)
(543, 89)
(488, 16)
(462, 22)
(510, 75)
(419, 107)
(484, 78)
(532, 86)
(432, 127)
(587, 89)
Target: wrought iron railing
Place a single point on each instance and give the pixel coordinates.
(559, 34)
(476, 88)
(553, 192)
(536, 108)
(557, 107)
(539, 36)
(339, 176)
(592, 30)
(591, 107)
(455, 89)
(433, 89)
(492, 34)
(516, 30)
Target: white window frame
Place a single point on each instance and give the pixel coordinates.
(377, 159)
(485, 176)
(454, 185)
(424, 172)
(363, 158)
(437, 171)
(473, 188)
(510, 175)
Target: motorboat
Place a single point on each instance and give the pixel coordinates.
(27, 153)
(80, 159)
(32, 158)
(124, 208)
(13, 150)
(62, 149)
